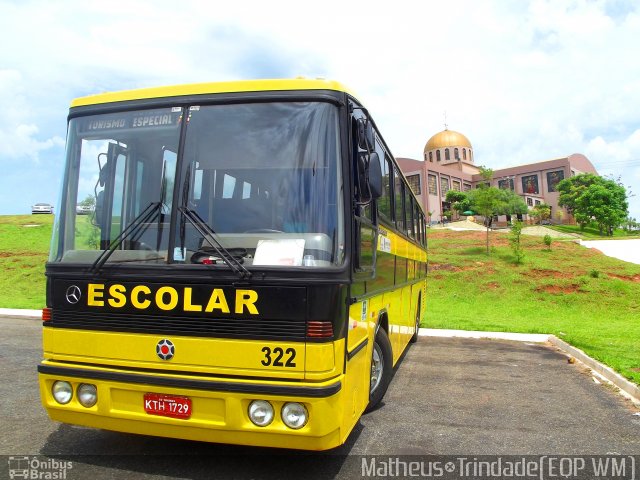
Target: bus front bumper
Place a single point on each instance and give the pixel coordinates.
(219, 407)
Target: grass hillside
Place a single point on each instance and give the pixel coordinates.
(24, 249)
(589, 300)
(578, 294)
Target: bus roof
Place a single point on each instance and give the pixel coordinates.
(213, 87)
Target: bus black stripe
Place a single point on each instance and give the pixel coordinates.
(355, 351)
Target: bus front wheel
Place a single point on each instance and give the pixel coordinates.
(381, 369)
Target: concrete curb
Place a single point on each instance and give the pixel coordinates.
(16, 312)
(631, 389)
(518, 337)
(627, 388)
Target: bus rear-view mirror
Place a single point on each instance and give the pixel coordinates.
(375, 175)
(366, 137)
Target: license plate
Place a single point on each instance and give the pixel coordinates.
(167, 405)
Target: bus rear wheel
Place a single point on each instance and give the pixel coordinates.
(381, 369)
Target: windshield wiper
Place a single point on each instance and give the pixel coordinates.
(136, 228)
(210, 236)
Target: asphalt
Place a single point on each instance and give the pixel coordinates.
(480, 396)
(449, 396)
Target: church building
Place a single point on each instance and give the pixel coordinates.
(449, 163)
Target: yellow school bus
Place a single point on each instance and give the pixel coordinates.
(252, 269)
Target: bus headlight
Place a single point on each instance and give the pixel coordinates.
(62, 392)
(294, 415)
(261, 413)
(87, 395)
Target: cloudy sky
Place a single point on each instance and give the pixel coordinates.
(524, 80)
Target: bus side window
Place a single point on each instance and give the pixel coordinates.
(398, 193)
(408, 211)
(416, 223)
(384, 202)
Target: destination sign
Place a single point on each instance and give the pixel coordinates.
(156, 119)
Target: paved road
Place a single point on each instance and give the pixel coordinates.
(450, 397)
(627, 249)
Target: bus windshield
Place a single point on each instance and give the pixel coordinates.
(192, 185)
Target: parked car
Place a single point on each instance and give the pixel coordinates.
(84, 209)
(42, 208)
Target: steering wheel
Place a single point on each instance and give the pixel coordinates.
(263, 230)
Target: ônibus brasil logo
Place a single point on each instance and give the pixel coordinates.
(165, 349)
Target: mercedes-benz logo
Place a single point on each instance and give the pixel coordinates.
(73, 294)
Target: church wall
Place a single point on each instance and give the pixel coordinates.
(535, 182)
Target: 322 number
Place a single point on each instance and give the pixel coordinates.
(276, 356)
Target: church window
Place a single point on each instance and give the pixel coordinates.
(553, 178)
(530, 184)
(444, 186)
(447, 156)
(414, 183)
(432, 185)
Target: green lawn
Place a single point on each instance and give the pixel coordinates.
(585, 298)
(24, 248)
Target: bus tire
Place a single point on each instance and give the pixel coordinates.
(381, 369)
(414, 338)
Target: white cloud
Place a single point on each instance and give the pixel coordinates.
(524, 81)
(19, 137)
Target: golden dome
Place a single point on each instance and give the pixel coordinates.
(447, 138)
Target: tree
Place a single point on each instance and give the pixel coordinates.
(512, 204)
(430, 214)
(459, 201)
(487, 201)
(592, 198)
(630, 225)
(89, 201)
(606, 204)
(541, 212)
(514, 241)
(571, 188)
